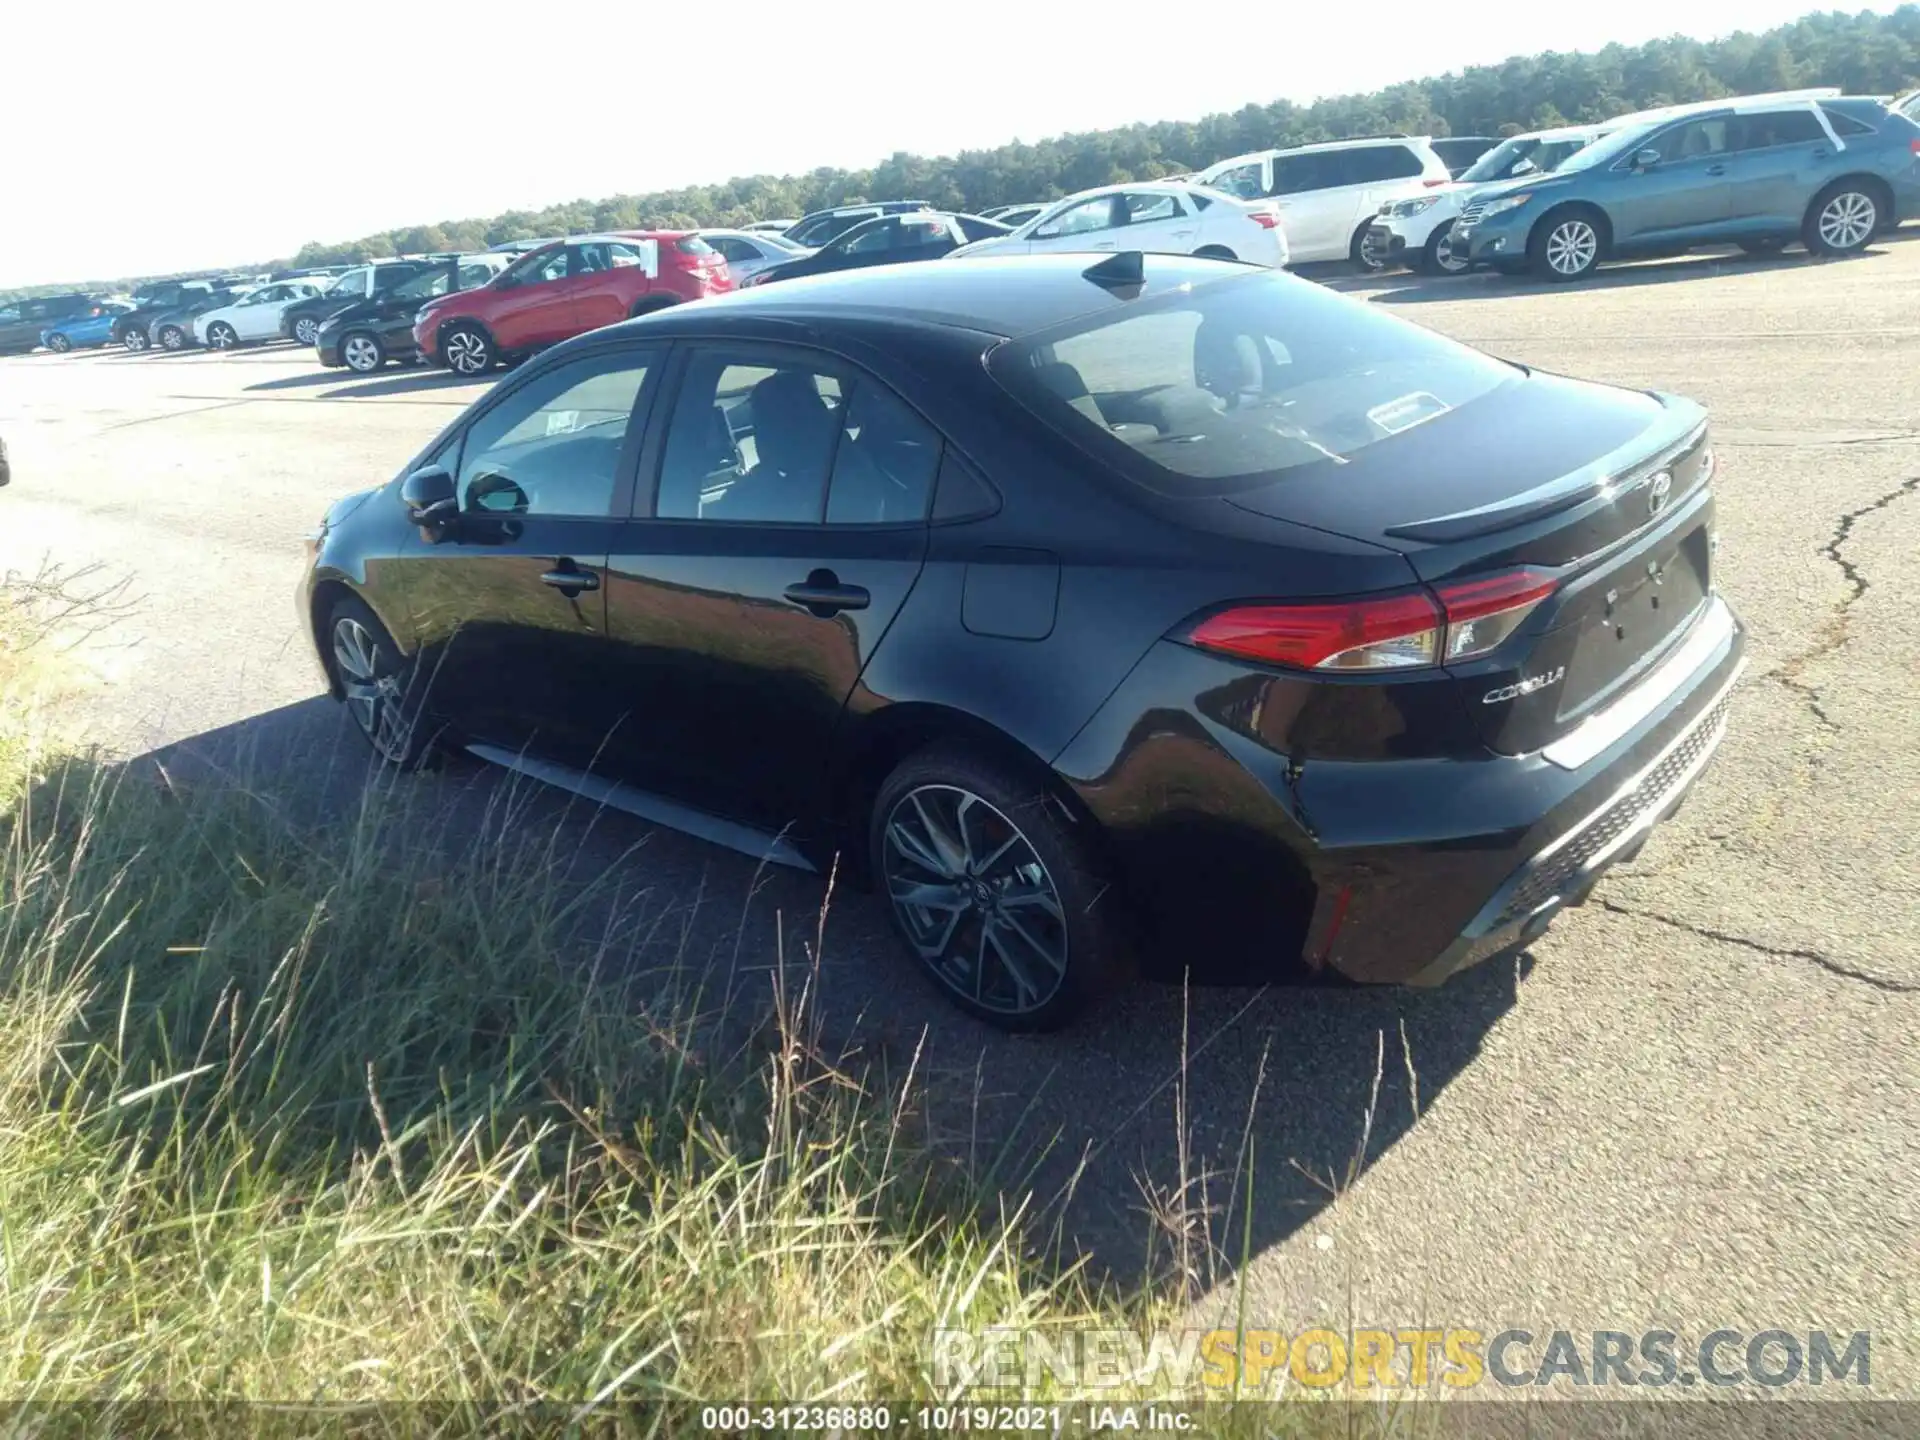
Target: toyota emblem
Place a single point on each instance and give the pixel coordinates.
(1659, 492)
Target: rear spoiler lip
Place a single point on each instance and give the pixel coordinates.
(1623, 466)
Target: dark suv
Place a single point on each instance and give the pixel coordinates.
(150, 302)
(302, 320)
(821, 226)
(21, 323)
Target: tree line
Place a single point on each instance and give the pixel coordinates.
(1863, 54)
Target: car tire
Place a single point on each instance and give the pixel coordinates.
(995, 890)
(467, 350)
(222, 336)
(59, 344)
(1361, 252)
(172, 337)
(377, 683)
(134, 340)
(306, 330)
(650, 305)
(1565, 246)
(362, 352)
(1843, 218)
(1436, 256)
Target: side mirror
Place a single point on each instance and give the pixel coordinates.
(1645, 159)
(432, 500)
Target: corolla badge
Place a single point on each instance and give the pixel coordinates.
(1524, 687)
(1659, 492)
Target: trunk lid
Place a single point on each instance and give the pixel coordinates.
(1605, 490)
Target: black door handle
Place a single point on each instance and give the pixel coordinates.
(823, 595)
(569, 579)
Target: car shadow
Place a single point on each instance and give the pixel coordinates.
(347, 386)
(1121, 1139)
(1410, 289)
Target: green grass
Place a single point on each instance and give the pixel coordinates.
(346, 1117)
(367, 1114)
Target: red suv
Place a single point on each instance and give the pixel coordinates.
(564, 289)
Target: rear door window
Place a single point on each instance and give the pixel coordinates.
(1768, 128)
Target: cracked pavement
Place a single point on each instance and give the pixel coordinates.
(1694, 1105)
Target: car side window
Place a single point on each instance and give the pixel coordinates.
(553, 267)
(919, 234)
(884, 467)
(1081, 219)
(1243, 180)
(1844, 124)
(1695, 139)
(1144, 207)
(1767, 128)
(881, 236)
(1298, 174)
(553, 446)
(1390, 162)
(750, 442)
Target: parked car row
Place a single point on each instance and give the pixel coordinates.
(1761, 171)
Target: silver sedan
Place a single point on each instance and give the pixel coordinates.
(747, 252)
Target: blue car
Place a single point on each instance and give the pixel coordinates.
(92, 327)
(1760, 172)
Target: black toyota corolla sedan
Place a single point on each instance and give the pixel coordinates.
(1086, 611)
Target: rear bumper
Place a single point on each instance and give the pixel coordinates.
(1566, 871)
(1387, 870)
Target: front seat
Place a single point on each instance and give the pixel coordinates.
(1226, 363)
(793, 435)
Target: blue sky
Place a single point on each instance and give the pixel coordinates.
(265, 125)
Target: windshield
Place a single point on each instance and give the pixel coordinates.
(425, 285)
(1609, 147)
(1217, 389)
(1499, 162)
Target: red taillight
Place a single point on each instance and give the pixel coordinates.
(1269, 221)
(1382, 632)
(1430, 183)
(1914, 145)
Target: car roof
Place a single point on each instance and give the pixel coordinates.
(990, 294)
(1571, 132)
(1731, 104)
(1357, 143)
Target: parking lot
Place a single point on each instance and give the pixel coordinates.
(1693, 1103)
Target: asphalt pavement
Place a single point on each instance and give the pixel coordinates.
(1692, 1105)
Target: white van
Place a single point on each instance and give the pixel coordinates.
(1329, 194)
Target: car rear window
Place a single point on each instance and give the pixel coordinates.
(694, 245)
(1215, 389)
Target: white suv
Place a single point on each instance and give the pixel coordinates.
(1417, 231)
(1329, 194)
